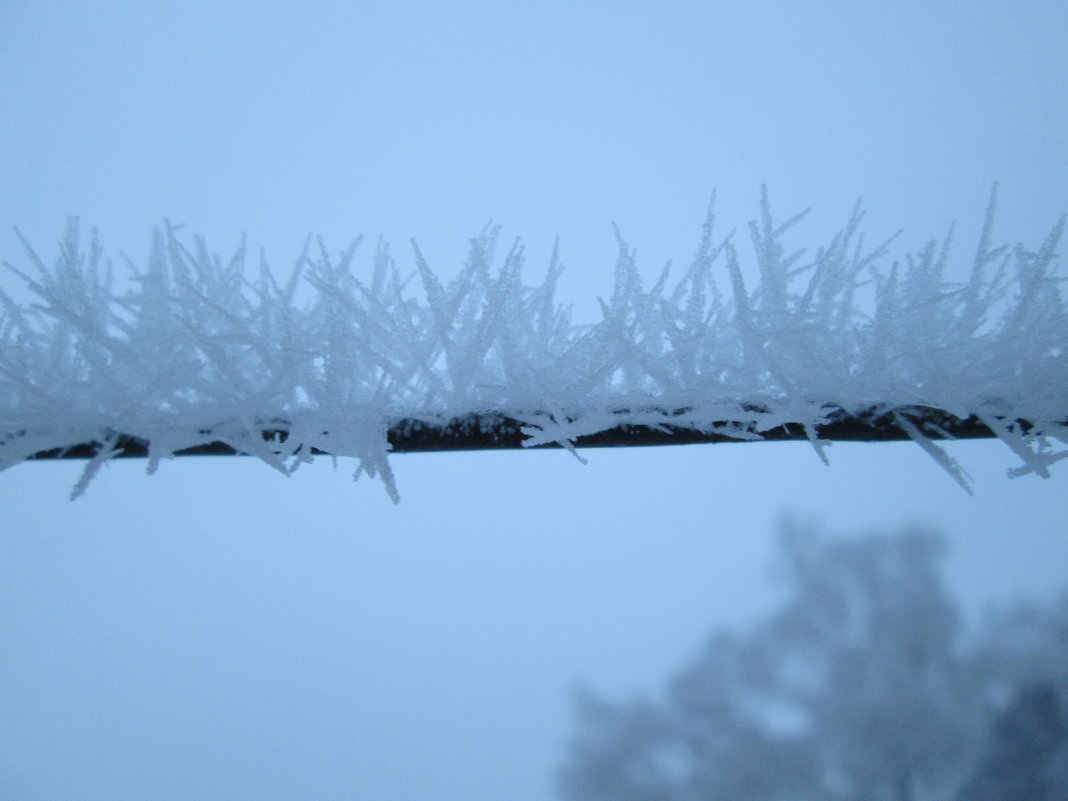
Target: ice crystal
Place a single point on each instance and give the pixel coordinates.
(202, 351)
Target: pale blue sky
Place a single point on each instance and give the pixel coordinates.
(218, 631)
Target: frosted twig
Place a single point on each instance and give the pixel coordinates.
(847, 343)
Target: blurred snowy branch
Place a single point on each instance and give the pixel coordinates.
(847, 343)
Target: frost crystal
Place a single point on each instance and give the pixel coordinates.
(200, 357)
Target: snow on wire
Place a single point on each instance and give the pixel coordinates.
(198, 357)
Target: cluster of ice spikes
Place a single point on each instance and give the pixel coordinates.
(199, 351)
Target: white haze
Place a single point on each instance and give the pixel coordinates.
(222, 631)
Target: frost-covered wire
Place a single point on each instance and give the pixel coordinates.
(198, 351)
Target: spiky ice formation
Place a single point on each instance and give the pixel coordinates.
(201, 355)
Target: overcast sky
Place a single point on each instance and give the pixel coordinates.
(220, 632)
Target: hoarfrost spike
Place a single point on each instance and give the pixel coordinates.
(847, 343)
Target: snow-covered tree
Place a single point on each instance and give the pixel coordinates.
(861, 687)
(1025, 651)
(1027, 757)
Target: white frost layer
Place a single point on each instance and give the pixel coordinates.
(201, 350)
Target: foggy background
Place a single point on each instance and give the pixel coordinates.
(220, 632)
